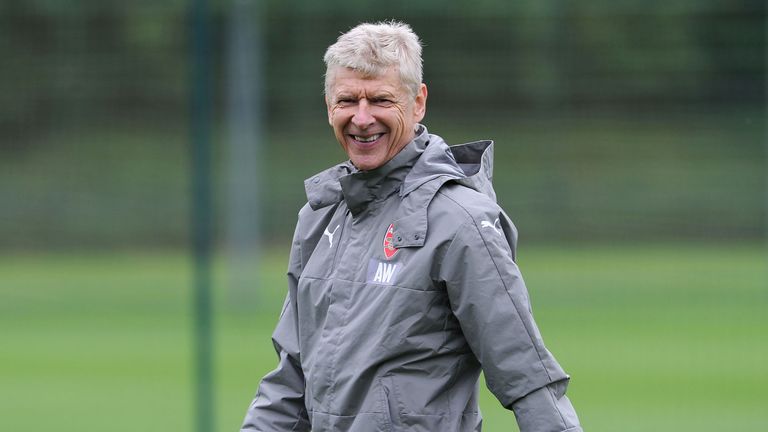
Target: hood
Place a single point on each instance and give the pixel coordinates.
(470, 164)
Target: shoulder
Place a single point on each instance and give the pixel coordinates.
(459, 209)
(465, 203)
(311, 220)
(306, 212)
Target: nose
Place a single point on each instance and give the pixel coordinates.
(363, 118)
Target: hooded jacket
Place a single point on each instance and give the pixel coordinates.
(402, 288)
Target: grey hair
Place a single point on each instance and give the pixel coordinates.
(372, 49)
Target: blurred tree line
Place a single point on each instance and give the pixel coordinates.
(614, 119)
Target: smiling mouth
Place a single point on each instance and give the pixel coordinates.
(367, 139)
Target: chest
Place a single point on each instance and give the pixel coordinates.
(359, 249)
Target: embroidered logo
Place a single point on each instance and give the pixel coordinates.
(496, 225)
(330, 235)
(382, 273)
(389, 249)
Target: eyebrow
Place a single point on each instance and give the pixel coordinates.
(383, 94)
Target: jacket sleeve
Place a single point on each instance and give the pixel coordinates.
(546, 409)
(279, 403)
(490, 301)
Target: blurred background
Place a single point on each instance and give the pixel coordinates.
(630, 152)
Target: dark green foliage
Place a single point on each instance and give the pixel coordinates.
(613, 120)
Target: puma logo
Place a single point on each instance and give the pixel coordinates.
(330, 235)
(496, 225)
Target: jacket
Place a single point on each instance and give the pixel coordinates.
(402, 287)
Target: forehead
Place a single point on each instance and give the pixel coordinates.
(345, 80)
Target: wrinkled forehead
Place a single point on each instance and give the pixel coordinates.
(343, 79)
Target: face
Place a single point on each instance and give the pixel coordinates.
(373, 118)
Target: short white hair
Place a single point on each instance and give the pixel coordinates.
(372, 49)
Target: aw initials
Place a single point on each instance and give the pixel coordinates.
(384, 273)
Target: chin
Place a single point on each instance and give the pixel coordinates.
(367, 164)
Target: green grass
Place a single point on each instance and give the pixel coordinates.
(656, 337)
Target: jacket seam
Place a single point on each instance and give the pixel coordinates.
(554, 403)
(367, 284)
(498, 272)
(315, 411)
(517, 307)
(410, 414)
(302, 414)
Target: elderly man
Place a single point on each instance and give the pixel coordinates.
(402, 282)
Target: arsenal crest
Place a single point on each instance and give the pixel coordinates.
(389, 250)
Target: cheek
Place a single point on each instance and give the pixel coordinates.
(335, 119)
(402, 118)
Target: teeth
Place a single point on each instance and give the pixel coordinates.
(371, 138)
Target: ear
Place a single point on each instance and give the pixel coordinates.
(420, 104)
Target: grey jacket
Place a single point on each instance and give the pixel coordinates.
(402, 287)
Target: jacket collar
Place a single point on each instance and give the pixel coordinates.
(363, 187)
(359, 188)
(418, 171)
(468, 164)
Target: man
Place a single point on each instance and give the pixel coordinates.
(402, 279)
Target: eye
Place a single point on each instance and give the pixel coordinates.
(382, 101)
(345, 101)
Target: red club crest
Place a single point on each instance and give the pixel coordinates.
(389, 250)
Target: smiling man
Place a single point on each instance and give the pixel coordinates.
(402, 281)
(373, 117)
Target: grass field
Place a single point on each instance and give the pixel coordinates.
(656, 337)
